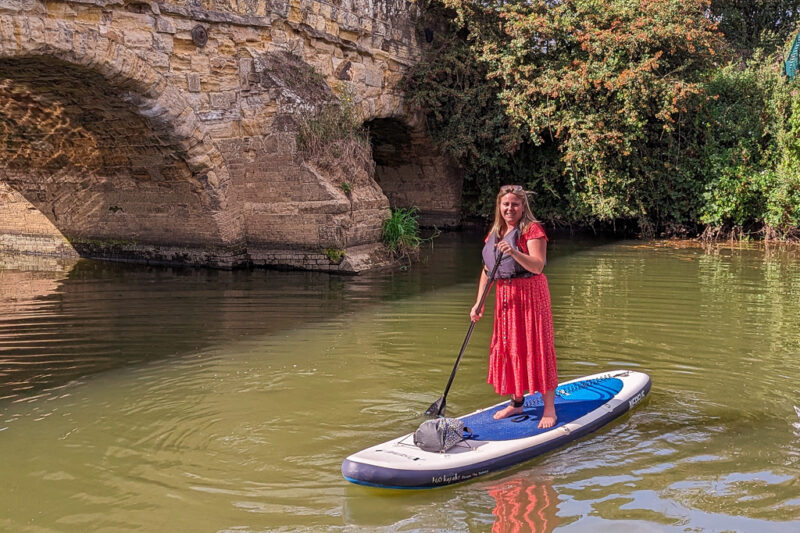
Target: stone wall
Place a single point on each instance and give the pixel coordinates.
(166, 131)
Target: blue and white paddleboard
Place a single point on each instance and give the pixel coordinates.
(582, 405)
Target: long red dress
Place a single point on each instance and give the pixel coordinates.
(522, 356)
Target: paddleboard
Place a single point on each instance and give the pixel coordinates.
(582, 406)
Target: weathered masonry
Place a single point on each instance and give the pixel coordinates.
(166, 131)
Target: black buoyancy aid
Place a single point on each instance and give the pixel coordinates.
(508, 268)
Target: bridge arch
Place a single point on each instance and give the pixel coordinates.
(411, 171)
(108, 150)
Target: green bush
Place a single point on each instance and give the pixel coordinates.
(400, 231)
(612, 110)
(575, 100)
(334, 255)
(749, 149)
(756, 24)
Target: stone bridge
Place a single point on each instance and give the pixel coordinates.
(166, 131)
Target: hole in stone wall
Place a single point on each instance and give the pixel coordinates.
(412, 172)
(390, 141)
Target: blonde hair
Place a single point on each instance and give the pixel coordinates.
(527, 215)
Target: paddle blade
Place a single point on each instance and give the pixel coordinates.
(437, 408)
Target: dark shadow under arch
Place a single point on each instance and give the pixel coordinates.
(77, 148)
(412, 172)
(111, 154)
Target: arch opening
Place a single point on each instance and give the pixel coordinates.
(412, 172)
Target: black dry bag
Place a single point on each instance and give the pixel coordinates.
(441, 434)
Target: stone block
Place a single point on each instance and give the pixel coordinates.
(245, 72)
(89, 16)
(325, 11)
(350, 23)
(322, 65)
(54, 10)
(33, 28)
(371, 93)
(393, 79)
(193, 82)
(332, 28)
(157, 59)
(241, 35)
(346, 35)
(164, 25)
(295, 15)
(225, 128)
(358, 72)
(138, 39)
(57, 34)
(130, 20)
(163, 43)
(7, 32)
(222, 100)
(200, 63)
(373, 76)
(216, 115)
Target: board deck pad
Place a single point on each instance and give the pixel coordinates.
(582, 405)
(572, 402)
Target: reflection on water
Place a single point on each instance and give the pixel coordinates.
(521, 506)
(61, 320)
(152, 399)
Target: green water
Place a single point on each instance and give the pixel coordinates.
(142, 399)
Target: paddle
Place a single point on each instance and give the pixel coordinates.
(438, 407)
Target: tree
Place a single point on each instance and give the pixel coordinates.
(752, 24)
(605, 80)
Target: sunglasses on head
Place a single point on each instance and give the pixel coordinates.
(511, 188)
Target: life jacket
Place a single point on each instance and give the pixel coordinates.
(508, 268)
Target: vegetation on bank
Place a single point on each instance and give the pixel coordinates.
(333, 137)
(332, 134)
(400, 232)
(670, 114)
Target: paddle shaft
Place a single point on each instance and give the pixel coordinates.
(489, 282)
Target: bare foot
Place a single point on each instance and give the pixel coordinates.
(507, 411)
(549, 419)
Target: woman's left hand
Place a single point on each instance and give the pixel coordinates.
(504, 247)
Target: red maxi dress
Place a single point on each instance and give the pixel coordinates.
(522, 356)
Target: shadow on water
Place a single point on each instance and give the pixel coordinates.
(63, 320)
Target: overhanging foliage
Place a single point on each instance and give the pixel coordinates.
(609, 110)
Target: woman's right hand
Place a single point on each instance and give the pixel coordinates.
(476, 313)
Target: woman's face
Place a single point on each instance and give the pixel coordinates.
(511, 209)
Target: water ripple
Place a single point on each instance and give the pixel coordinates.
(226, 401)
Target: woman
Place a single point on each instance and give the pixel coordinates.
(522, 354)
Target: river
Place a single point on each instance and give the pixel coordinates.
(157, 399)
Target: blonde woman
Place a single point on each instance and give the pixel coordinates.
(522, 356)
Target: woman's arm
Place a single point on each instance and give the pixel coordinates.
(477, 310)
(534, 260)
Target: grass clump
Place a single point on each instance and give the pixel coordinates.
(400, 231)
